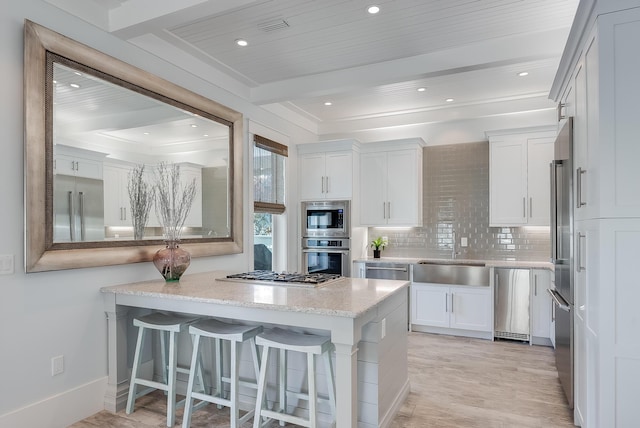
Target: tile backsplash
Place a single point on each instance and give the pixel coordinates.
(456, 200)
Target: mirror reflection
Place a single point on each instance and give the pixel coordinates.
(102, 131)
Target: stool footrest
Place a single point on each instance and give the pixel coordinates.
(151, 384)
(285, 417)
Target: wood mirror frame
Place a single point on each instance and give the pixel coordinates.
(41, 253)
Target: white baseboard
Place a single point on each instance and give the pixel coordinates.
(395, 407)
(60, 410)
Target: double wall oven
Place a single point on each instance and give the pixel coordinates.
(325, 237)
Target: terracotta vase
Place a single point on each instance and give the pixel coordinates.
(172, 261)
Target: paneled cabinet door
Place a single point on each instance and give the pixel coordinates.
(508, 182)
(541, 303)
(429, 305)
(539, 156)
(471, 308)
(117, 209)
(389, 188)
(326, 175)
(78, 167)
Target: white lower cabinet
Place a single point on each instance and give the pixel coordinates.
(458, 309)
(541, 306)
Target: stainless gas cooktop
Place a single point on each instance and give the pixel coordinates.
(283, 278)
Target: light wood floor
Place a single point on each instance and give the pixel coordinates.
(455, 383)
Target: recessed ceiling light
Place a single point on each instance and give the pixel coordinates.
(328, 103)
(523, 73)
(205, 135)
(77, 73)
(145, 133)
(449, 100)
(74, 85)
(373, 9)
(194, 125)
(241, 42)
(422, 89)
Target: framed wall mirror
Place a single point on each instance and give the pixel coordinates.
(90, 121)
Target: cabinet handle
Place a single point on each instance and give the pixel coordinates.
(579, 267)
(446, 302)
(124, 210)
(560, 111)
(327, 177)
(388, 210)
(530, 207)
(524, 207)
(579, 202)
(535, 284)
(452, 294)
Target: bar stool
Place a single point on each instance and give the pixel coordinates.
(236, 335)
(309, 344)
(166, 325)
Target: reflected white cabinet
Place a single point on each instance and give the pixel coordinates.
(458, 308)
(391, 184)
(326, 170)
(77, 162)
(519, 176)
(187, 174)
(117, 209)
(541, 306)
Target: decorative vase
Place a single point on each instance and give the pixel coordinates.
(172, 261)
(376, 254)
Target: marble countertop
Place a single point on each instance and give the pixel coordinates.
(346, 297)
(491, 263)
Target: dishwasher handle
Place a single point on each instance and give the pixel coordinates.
(558, 300)
(399, 269)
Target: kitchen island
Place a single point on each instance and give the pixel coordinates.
(365, 318)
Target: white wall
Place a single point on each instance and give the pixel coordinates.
(60, 313)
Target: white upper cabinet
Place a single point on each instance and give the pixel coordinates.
(117, 208)
(519, 174)
(326, 170)
(77, 162)
(391, 183)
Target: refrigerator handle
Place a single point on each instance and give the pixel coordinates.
(72, 230)
(580, 203)
(558, 300)
(554, 209)
(579, 267)
(81, 211)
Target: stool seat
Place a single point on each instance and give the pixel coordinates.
(236, 334)
(312, 346)
(165, 324)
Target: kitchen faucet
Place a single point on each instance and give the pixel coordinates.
(454, 253)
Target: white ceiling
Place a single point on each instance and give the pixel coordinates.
(302, 53)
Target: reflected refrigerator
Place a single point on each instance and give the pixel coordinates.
(78, 209)
(562, 254)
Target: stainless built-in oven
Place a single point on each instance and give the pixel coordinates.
(325, 219)
(326, 255)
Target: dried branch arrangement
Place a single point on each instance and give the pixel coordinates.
(173, 200)
(141, 200)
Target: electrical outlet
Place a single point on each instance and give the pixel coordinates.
(6, 264)
(383, 328)
(57, 365)
(463, 241)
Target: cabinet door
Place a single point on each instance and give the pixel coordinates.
(338, 175)
(373, 189)
(117, 210)
(471, 309)
(78, 167)
(539, 157)
(402, 189)
(312, 176)
(508, 182)
(540, 303)
(429, 305)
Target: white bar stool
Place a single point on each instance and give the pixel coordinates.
(309, 344)
(166, 325)
(236, 334)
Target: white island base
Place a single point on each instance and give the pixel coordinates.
(365, 318)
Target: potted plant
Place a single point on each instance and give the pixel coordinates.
(378, 245)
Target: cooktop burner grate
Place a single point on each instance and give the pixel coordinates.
(270, 276)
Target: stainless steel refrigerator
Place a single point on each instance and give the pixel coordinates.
(78, 209)
(562, 254)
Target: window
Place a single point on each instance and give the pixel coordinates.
(268, 191)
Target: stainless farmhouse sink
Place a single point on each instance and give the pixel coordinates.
(452, 272)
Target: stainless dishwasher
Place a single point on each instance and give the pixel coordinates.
(382, 270)
(511, 290)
